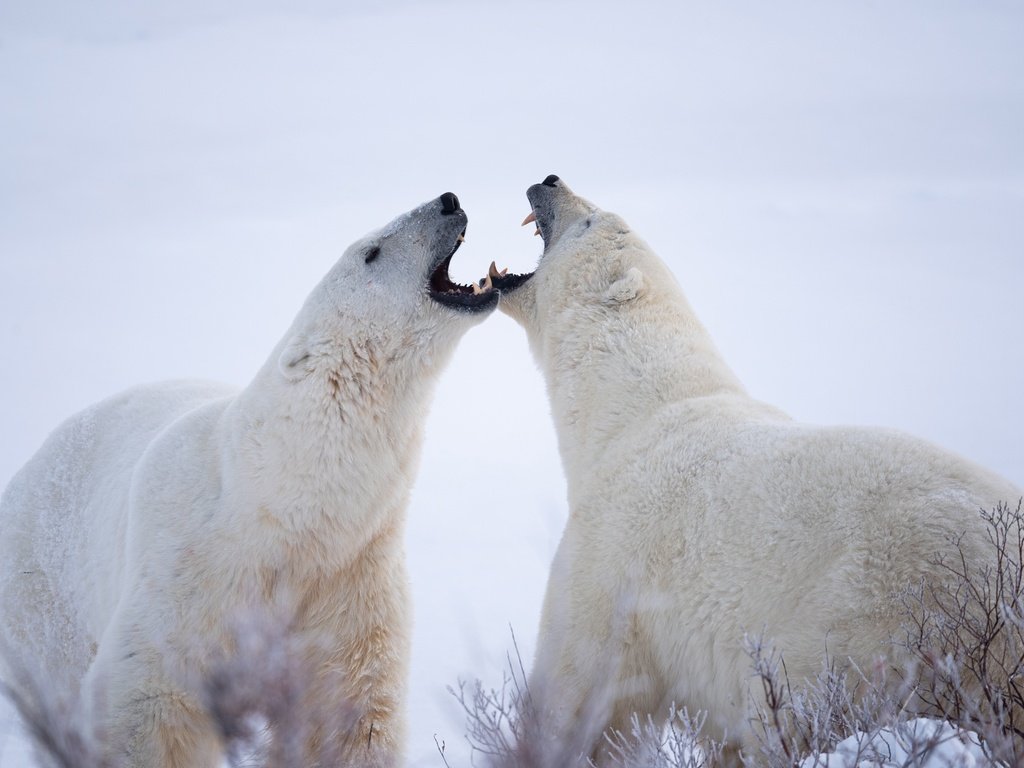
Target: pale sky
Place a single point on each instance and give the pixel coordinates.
(839, 189)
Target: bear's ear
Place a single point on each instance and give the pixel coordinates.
(626, 288)
(292, 362)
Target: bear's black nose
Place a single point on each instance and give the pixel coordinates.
(550, 181)
(449, 203)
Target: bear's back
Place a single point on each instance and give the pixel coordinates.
(63, 519)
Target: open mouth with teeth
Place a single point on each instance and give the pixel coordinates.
(503, 280)
(470, 298)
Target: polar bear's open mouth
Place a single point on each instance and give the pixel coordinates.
(503, 280)
(540, 217)
(466, 297)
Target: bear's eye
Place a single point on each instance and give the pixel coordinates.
(372, 254)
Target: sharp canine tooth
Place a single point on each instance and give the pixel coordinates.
(504, 271)
(487, 284)
(528, 219)
(462, 238)
(476, 289)
(537, 232)
(492, 271)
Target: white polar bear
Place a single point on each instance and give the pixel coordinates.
(697, 513)
(148, 521)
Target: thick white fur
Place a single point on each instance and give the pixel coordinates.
(697, 513)
(147, 524)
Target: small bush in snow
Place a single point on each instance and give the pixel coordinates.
(823, 724)
(968, 639)
(252, 693)
(503, 728)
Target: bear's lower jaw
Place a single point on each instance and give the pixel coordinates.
(465, 299)
(509, 282)
(502, 280)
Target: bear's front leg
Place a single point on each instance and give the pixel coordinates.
(593, 668)
(170, 730)
(346, 728)
(357, 631)
(148, 721)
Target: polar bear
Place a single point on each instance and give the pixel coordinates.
(146, 522)
(696, 513)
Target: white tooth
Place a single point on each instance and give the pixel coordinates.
(504, 271)
(492, 271)
(537, 232)
(476, 289)
(487, 284)
(462, 238)
(528, 219)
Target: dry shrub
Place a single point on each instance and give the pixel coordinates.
(804, 725)
(252, 692)
(254, 696)
(52, 720)
(967, 638)
(504, 728)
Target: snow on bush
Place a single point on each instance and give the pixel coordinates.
(922, 743)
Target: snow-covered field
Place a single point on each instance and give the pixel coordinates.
(838, 187)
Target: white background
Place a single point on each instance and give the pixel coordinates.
(838, 187)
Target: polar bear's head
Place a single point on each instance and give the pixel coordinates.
(590, 259)
(389, 299)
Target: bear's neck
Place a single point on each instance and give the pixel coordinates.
(611, 369)
(329, 461)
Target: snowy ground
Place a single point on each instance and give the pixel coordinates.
(920, 742)
(838, 187)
